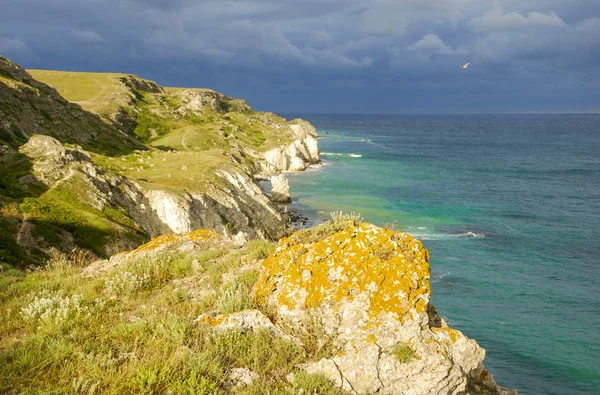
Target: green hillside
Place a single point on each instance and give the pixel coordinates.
(111, 125)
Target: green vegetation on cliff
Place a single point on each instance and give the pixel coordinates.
(173, 139)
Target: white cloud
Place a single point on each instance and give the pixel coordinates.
(321, 36)
(430, 42)
(13, 46)
(86, 36)
(498, 20)
(383, 21)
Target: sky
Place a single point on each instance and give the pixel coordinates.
(329, 56)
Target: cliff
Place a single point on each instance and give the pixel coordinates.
(143, 161)
(343, 308)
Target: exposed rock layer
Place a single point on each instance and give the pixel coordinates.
(280, 191)
(237, 206)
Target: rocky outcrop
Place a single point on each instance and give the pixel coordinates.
(369, 290)
(296, 156)
(194, 101)
(136, 83)
(238, 205)
(280, 191)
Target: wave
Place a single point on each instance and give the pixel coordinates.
(341, 154)
(471, 234)
(446, 236)
(438, 278)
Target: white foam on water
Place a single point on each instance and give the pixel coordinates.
(341, 154)
(471, 234)
(438, 278)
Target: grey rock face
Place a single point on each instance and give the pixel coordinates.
(280, 191)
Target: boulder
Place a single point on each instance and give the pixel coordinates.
(280, 191)
(240, 378)
(246, 320)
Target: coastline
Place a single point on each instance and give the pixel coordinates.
(492, 215)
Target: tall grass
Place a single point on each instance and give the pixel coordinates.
(134, 330)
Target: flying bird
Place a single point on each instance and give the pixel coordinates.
(464, 66)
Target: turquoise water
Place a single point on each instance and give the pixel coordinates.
(509, 207)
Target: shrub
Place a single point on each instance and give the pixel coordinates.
(248, 277)
(126, 283)
(309, 384)
(233, 298)
(259, 249)
(354, 218)
(54, 308)
(319, 232)
(403, 352)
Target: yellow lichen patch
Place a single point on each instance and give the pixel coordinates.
(214, 321)
(450, 333)
(348, 265)
(371, 338)
(158, 242)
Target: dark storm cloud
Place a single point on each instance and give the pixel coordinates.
(332, 55)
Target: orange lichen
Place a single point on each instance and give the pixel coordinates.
(214, 321)
(347, 264)
(161, 241)
(452, 334)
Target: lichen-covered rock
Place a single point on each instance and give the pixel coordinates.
(171, 243)
(246, 320)
(369, 288)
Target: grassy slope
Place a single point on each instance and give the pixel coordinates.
(133, 329)
(100, 93)
(198, 141)
(181, 151)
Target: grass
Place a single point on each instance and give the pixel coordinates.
(234, 297)
(315, 384)
(100, 93)
(66, 332)
(403, 353)
(63, 208)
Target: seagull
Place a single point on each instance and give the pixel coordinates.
(464, 66)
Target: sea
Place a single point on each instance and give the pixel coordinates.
(509, 208)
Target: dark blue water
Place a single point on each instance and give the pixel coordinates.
(509, 207)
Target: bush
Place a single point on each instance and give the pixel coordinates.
(126, 283)
(403, 352)
(55, 309)
(234, 297)
(354, 218)
(309, 384)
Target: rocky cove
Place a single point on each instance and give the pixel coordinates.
(203, 300)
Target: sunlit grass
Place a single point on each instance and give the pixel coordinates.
(134, 328)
